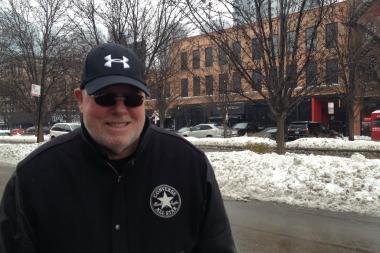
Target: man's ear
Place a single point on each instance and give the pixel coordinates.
(79, 97)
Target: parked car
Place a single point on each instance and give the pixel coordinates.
(338, 126)
(5, 132)
(62, 128)
(32, 130)
(269, 132)
(183, 129)
(301, 129)
(242, 128)
(204, 130)
(17, 131)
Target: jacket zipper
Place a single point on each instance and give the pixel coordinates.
(118, 175)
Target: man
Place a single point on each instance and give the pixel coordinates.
(117, 184)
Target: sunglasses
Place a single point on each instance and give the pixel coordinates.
(109, 99)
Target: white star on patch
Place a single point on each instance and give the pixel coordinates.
(165, 201)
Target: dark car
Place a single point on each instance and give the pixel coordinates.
(269, 132)
(301, 129)
(338, 126)
(242, 128)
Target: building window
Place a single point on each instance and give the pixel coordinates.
(236, 46)
(371, 68)
(290, 39)
(312, 4)
(196, 86)
(311, 39)
(331, 35)
(311, 73)
(208, 57)
(223, 81)
(222, 57)
(209, 84)
(184, 88)
(272, 80)
(256, 80)
(167, 90)
(236, 77)
(274, 49)
(291, 75)
(371, 29)
(183, 61)
(332, 71)
(196, 59)
(257, 52)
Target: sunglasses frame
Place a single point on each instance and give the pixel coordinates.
(113, 99)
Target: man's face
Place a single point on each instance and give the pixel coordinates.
(117, 128)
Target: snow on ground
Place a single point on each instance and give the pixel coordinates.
(326, 182)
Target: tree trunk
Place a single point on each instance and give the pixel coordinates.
(40, 133)
(161, 113)
(350, 121)
(280, 138)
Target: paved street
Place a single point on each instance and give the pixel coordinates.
(6, 171)
(271, 227)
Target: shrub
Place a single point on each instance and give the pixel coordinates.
(260, 148)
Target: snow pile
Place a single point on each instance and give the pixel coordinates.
(231, 142)
(21, 139)
(360, 143)
(13, 153)
(325, 182)
(329, 143)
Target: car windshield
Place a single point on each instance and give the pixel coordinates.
(376, 123)
(75, 126)
(295, 126)
(241, 125)
(183, 129)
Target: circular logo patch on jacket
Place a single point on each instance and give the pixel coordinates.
(165, 201)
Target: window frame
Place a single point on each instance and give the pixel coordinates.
(184, 87)
(196, 59)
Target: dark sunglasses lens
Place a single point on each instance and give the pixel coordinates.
(133, 100)
(110, 100)
(105, 100)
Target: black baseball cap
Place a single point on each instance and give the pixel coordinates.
(110, 64)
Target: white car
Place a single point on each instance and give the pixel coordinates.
(62, 128)
(204, 130)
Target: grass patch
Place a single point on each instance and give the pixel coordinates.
(259, 148)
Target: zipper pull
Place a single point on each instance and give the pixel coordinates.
(119, 178)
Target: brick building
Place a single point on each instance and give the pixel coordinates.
(205, 78)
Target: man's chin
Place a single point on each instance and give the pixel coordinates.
(119, 150)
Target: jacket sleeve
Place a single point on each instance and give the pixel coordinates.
(216, 233)
(14, 227)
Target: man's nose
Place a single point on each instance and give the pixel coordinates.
(120, 106)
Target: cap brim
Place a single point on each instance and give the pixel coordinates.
(105, 81)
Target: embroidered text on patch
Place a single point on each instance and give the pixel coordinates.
(165, 201)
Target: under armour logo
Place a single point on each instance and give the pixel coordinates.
(110, 61)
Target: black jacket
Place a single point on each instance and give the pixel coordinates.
(65, 197)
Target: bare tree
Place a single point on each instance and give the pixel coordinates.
(356, 48)
(35, 42)
(84, 21)
(271, 45)
(150, 28)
